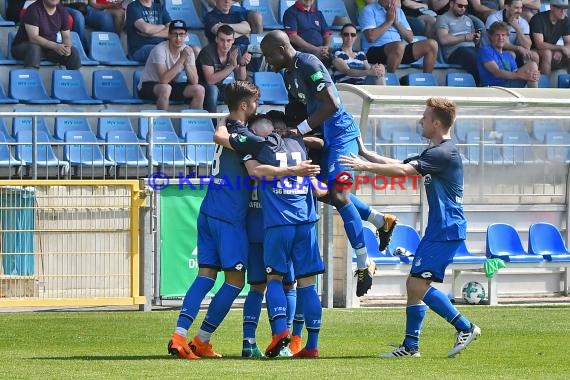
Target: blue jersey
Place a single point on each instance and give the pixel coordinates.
(309, 78)
(286, 201)
(254, 221)
(442, 169)
(228, 191)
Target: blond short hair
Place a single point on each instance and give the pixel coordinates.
(443, 110)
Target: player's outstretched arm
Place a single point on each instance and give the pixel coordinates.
(303, 169)
(373, 156)
(387, 169)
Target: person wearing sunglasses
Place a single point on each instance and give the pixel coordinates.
(353, 67)
(497, 67)
(458, 37)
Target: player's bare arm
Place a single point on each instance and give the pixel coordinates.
(388, 169)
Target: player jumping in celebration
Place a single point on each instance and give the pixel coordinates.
(442, 169)
(308, 81)
(222, 237)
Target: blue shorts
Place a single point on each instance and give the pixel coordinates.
(295, 243)
(330, 166)
(221, 245)
(256, 267)
(432, 257)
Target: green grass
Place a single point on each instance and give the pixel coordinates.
(516, 343)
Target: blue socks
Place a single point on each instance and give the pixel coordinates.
(353, 228)
(251, 312)
(276, 306)
(291, 295)
(415, 315)
(219, 307)
(313, 312)
(363, 209)
(299, 318)
(440, 303)
(192, 301)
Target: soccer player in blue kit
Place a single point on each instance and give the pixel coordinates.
(308, 81)
(442, 169)
(222, 239)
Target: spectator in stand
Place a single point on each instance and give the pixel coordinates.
(457, 36)
(216, 62)
(353, 67)
(165, 62)
(254, 19)
(37, 36)
(385, 29)
(546, 28)
(483, 8)
(147, 25)
(519, 42)
(234, 16)
(420, 17)
(30, 2)
(307, 30)
(530, 8)
(442, 6)
(105, 13)
(498, 67)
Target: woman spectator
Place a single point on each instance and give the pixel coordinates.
(353, 67)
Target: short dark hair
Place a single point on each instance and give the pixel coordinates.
(239, 91)
(509, 2)
(347, 25)
(225, 29)
(443, 110)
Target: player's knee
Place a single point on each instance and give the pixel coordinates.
(259, 288)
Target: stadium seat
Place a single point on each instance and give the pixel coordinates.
(85, 60)
(106, 48)
(68, 86)
(541, 126)
(4, 131)
(107, 124)
(545, 240)
(9, 165)
(380, 258)
(402, 150)
(184, 10)
(564, 81)
(167, 152)
(4, 99)
(85, 156)
(7, 61)
(70, 123)
(392, 79)
(123, 148)
(404, 236)
(330, 9)
(513, 154)
(25, 123)
(419, 79)
(509, 125)
(544, 81)
(160, 123)
(110, 87)
(336, 42)
(283, 5)
(557, 153)
(460, 80)
(4, 22)
(463, 256)
(11, 36)
(388, 126)
(201, 147)
(266, 9)
(503, 242)
(27, 87)
(272, 87)
(192, 39)
(195, 124)
(464, 126)
(48, 163)
(492, 153)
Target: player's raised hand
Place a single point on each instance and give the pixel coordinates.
(305, 169)
(353, 162)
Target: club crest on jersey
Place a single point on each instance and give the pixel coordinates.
(427, 179)
(317, 76)
(242, 138)
(418, 262)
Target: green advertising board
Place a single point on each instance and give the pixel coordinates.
(179, 210)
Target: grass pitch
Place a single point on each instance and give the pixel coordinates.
(516, 343)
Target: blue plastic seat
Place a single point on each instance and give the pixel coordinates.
(110, 87)
(11, 36)
(192, 39)
(264, 7)
(545, 240)
(540, 127)
(332, 8)
(503, 242)
(380, 258)
(160, 124)
(4, 60)
(46, 157)
(557, 153)
(463, 256)
(27, 87)
(392, 79)
(70, 123)
(404, 236)
(201, 147)
(272, 87)
(185, 10)
(123, 148)
(491, 152)
(195, 124)
(4, 22)
(107, 124)
(84, 154)
(9, 165)
(283, 6)
(85, 60)
(513, 154)
(421, 79)
(402, 150)
(106, 48)
(509, 125)
(544, 81)
(4, 99)
(389, 126)
(464, 126)
(68, 86)
(168, 152)
(4, 131)
(25, 123)
(564, 81)
(460, 80)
